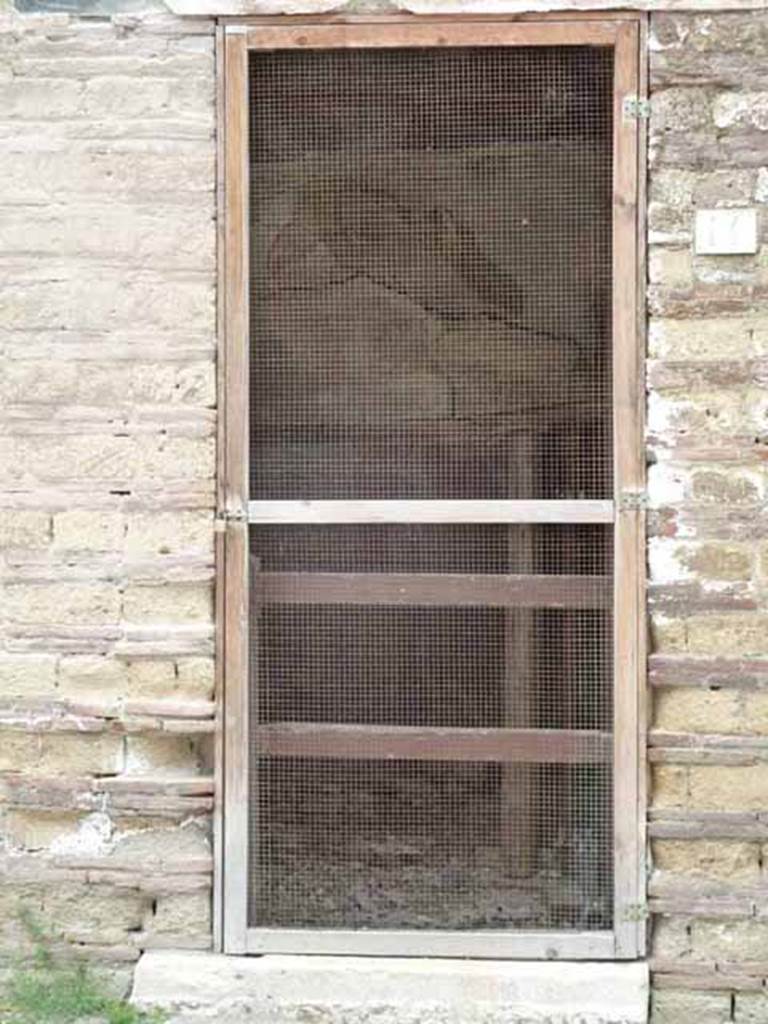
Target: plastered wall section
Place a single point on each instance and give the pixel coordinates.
(708, 543)
(107, 465)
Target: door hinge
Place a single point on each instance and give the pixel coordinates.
(636, 109)
(229, 516)
(633, 501)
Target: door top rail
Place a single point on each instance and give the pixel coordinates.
(398, 34)
(422, 511)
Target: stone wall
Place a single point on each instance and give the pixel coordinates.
(708, 442)
(107, 337)
(107, 462)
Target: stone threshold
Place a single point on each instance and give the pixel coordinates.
(282, 989)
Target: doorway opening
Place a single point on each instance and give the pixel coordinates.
(430, 572)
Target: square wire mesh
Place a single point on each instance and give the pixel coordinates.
(431, 273)
(431, 318)
(426, 845)
(365, 839)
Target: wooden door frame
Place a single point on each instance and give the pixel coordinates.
(236, 38)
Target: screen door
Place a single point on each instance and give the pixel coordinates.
(433, 394)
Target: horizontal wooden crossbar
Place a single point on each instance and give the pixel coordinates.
(446, 33)
(459, 511)
(421, 743)
(433, 589)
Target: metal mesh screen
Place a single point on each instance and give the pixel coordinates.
(357, 634)
(431, 273)
(404, 844)
(431, 318)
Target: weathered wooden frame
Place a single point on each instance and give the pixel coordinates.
(626, 33)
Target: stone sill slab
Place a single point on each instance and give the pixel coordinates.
(255, 8)
(360, 990)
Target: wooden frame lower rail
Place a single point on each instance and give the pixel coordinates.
(433, 589)
(436, 743)
(520, 945)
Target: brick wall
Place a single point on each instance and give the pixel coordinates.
(708, 548)
(107, 460)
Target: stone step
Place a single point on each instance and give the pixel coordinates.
(200, 987)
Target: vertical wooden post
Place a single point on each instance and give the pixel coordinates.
(629, 482)
(219, 553)
(518, 782)
(235, 495)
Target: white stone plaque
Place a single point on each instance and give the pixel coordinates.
(726, 232)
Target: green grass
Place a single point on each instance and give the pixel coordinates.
(53, 991)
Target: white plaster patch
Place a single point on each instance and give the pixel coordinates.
(723, 275)
(655, 45)
(729, 232)
(741, 110)
(657, 336)
(662, 413)
(93, 837)
(666, 485)
(669, 237)
(664, 565)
